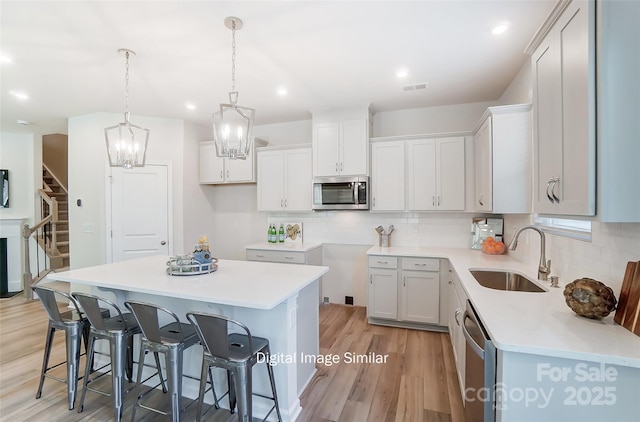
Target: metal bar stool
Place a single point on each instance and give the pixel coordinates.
(75, 327)
(171, 340)
(118, 331)
(237, 353)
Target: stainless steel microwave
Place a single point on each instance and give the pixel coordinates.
(341, 193)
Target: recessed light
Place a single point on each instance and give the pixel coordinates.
(402, 73)
(500, 28)
(5, 59)
(23, 122)
(19, 95)
(190, 106)
(282, 91)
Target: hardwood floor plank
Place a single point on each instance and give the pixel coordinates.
(419, 367)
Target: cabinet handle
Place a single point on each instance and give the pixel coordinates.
(404, 281)
(383, 262)
(336, 166)
(221, 174)
(341, 166)
(227, 174)
(281, 203)
(288, 257)
(451, 282)
(480, 199)
(433, 201)
(438, 200)
(374, 201)
(420, 265)
(553, 189)
(548, 194)
(370, 278)
(456, 315)
(259, 256)
(285, 202)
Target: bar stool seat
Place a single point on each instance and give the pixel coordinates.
(119, 331)
(75, 326)
(237, 353)
(171, 340)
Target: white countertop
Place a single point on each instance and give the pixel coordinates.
(292, 246)
(260, 285)
(537, 323)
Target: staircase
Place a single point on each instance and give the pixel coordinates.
(54, 239)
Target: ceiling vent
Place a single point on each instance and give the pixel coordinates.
(415, 87)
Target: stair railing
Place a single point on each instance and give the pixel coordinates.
(27, 278)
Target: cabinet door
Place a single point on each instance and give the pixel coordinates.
(456, 309)
(387, 176)
(240, 170)
(326, 149)
(271, 168)
(211, 167)
(564, 117)
(483, 167)
(421, 175)
(420, 296)
(383, 294)
(450, 174)
(298, 180)
(353, 149)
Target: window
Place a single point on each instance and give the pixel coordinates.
(575, 229)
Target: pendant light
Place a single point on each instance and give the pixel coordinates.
(233, 124)
(126, 142)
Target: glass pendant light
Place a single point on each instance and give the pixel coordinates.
(233, 124)
(126, 142)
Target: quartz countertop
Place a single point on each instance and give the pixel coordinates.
(536, 323)
(260, 285)
(292, 246)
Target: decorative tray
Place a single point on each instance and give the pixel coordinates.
(187, 265)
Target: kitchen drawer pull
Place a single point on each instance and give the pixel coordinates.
(383, 262)
(260, 256)
(456, 315)
(288, 257)
(420, 265)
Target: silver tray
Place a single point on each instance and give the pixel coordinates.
(186, 265)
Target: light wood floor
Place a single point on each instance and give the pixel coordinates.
(417, 382)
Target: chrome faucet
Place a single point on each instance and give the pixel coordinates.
(544, 268)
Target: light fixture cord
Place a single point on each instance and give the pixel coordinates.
(233, 55)
(126, 87)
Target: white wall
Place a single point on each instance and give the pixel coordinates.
(519, 90)
(88, 173)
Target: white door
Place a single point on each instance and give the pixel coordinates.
(326, 149)
(139, 212)
(387, 176)
(298, 180)
(270, 180)
(450, 174)
(421, 175)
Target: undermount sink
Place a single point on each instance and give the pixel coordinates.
(505, 280)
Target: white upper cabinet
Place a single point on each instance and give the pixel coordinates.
(340, 143)
(284, 179)
(502, 151)
(387, 176)
(564, 114)
(217, 170)
(436, 174)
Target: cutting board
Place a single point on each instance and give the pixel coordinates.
(628, 312)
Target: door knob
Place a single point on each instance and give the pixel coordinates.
(163, 243)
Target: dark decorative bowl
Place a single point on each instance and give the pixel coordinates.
(590, 298)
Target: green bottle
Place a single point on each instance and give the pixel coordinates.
(270, 233)
(281, 234)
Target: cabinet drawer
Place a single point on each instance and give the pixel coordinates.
(383, 262)
(276, 256)
(421, 264)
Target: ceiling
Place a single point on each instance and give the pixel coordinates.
(327, 54)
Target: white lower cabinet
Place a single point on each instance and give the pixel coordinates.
(404, 291)
(457, 304)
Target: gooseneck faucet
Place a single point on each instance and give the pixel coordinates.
(544, 268)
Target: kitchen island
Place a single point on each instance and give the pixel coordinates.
(276, 301)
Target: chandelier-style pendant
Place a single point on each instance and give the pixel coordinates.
(126, 142)
(233, 124)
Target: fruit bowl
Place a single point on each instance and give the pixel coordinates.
(491, 247)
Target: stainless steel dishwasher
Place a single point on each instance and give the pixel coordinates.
(480, 369)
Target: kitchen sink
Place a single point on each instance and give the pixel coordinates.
(505, 280)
